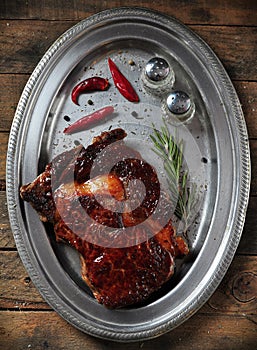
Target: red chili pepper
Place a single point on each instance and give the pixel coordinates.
(90, 84)
(122, 83)
(88, 120)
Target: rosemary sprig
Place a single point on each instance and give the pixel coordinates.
(170, 151)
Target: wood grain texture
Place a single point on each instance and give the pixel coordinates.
(46, 330)
(228, 321)
(247, 245)
(16, 289)
(220, 12)
(236, 48)
(253, 152)
(6, 236)
(237, 292)
(235, 295)
(253, 148)
(25, 42)
(14, 85)
(247, 93)
(3, 150)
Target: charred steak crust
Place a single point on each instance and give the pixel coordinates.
(73, 164)
(64, 192)
(121, 277)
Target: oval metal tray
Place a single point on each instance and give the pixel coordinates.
(216, 134)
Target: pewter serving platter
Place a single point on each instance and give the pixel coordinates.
(216, 154)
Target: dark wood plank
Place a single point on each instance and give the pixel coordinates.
(228, 320)
(253, 151)
(248, 243)
(3, 209)
(226, 12)
(46, 330)
(3, 150)
(253, 147)
(237, 291)
(24, 43)
(17, 291)
(235, 46)
(236, 294)
(6, 236)
(14, 83)
(247, 93)
(2, 185)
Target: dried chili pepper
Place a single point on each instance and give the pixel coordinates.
(88, 120)
(90, 84)
(122, 83)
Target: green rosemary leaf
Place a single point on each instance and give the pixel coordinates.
(170, 150)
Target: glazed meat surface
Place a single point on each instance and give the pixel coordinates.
(123, 232)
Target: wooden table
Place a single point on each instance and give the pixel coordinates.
(228, 319)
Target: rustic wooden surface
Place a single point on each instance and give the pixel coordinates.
(228, 320)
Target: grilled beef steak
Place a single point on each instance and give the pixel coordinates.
(127, 250)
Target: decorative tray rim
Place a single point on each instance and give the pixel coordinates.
(223, 80)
